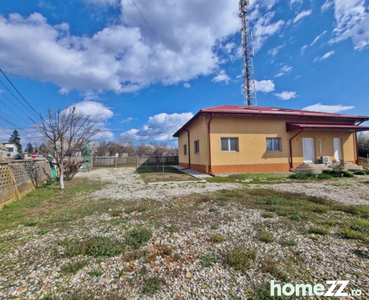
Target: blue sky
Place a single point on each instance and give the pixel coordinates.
(101, 56)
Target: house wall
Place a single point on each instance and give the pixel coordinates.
(252, 133)
(198, 131)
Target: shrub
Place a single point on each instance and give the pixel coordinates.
(239, 258)
(324, 176)
(152, 285)
(71, 168)
(271, 267)
(137, 237)
(367, 172)
(165, 249)
(347, 174)
(360, 172)
(295, 218)
(265, 236)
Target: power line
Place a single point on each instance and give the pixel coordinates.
(162, 47)
(36, 113)
(10, 108)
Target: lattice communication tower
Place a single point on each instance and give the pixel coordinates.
(249, 88)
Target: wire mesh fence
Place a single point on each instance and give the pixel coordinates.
(112, 161)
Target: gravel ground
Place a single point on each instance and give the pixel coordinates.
(351, 191)
(32, 267)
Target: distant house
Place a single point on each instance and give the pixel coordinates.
(241, 139)
(11, 150)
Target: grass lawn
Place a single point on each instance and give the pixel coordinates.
(251, 178)
(168, 173)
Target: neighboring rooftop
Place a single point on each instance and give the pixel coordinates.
(269, 111)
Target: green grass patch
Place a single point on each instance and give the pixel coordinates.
(360, 172)
(250, 178)
(95, 246)
(302, 176)
(217, 238)
(319, 230)
(207, 261)
(265, 236)
(239, 258)
(152, 285)
(347, 233)
(137, 237)
(96, 273)
(271, 267)
(267, 214)
(73, 267)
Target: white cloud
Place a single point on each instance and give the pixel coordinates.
(327, 4)
(318, 37)
(98, 111)
(325, 56)
(292, 2)
(124, 56)
(303, 48)
(352, 19)
(284, 70)
(160, 127)
(286, 95)
(222, 76)
(126, 120)
(327, 108)
(264, 27)
(302, 14)
(274, 51)
(265, 86)
(187, 85)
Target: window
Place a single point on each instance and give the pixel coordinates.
(229, 144)
(197, 146)
(185, 149)
(274, 144)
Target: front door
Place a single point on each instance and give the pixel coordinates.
(337, 149)
(308, 149)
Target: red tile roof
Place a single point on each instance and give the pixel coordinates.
(252, 110)
(269, 111)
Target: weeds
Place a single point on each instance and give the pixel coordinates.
(267, 215)
(271, 267)
(137, 237)
(239, 258)
(265, 236)
(152, 285)
(207, 261)
(217, 238)
(319, 230)
(95, 246)
(73, 267)
(95, 273)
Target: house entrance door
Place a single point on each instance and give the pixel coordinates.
(308, 149)
(337, 149)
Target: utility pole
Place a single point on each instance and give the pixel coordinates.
(249, 89)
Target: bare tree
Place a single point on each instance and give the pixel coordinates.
(67, 132)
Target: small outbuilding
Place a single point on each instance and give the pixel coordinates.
(242, 139)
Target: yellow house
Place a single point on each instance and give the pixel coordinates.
(241, 139)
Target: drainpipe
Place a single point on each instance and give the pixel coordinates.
(356, 145)
(188, 148)
(210, 171)
(357, 148)
(291, 161)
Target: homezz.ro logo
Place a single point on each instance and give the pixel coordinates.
(335, 288)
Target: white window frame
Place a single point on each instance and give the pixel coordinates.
(197, 146)
(273, 150)
(229, 144)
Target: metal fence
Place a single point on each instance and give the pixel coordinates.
(112, 161)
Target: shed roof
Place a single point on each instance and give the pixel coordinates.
(269, 111)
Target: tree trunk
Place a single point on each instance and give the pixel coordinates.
(61, 179)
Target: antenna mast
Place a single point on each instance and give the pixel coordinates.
(249, 89)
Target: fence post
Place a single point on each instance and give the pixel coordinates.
(115, 162)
